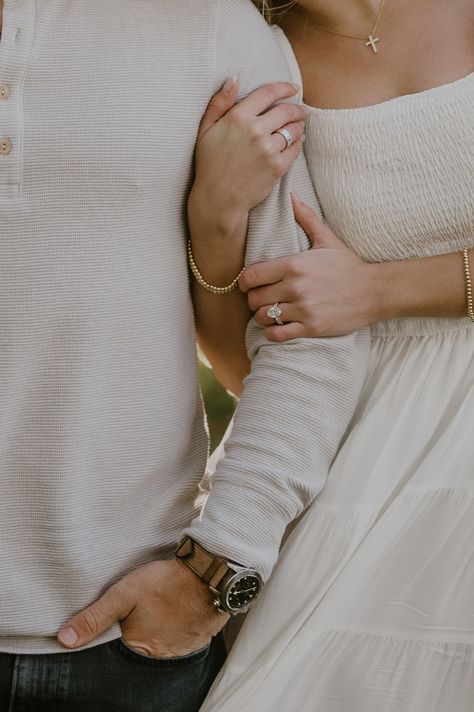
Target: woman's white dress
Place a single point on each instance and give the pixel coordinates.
(371, 605)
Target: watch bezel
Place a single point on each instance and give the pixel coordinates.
(230, 583)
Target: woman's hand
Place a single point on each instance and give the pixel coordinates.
(325, 291)
(239, 154)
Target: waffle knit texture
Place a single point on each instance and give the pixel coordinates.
(103, 441)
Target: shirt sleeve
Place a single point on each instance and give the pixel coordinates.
(301, 395)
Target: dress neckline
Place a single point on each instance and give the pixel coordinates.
(398, 101)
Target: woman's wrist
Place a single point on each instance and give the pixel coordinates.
(397, 293)
(424, 287)
(218, 239)
(213, 222)
(381, 303)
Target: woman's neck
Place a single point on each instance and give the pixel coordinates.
(353, 15)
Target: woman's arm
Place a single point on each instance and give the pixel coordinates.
(239, 158)
(329, 290)
(221, 320)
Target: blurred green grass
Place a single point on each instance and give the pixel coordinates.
(218, 403)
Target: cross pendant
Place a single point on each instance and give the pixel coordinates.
(371, 43)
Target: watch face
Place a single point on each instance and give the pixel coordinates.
(242, 590)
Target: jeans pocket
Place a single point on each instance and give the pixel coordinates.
(164, 663)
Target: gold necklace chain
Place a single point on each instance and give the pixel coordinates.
(369, 42)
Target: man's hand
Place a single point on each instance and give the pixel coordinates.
(164, 608)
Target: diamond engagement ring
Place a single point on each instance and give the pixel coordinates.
(287, 136)
(275, 313)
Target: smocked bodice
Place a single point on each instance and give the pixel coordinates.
(396, 180)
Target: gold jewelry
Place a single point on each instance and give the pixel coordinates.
(201, 281)
(467, 272)
(372, 39)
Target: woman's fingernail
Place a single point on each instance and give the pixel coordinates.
(68, 636)
(295, 198)
(297, 87)
(229, 84)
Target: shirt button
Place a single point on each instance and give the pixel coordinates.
(5, 146)
(4, 91)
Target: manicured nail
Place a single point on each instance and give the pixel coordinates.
(68, 636)
(229, 84)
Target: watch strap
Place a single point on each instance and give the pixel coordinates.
(211, 569)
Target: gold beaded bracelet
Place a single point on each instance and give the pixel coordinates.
(467, 272)
(200, 279)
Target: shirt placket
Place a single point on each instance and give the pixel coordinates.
(15, 47)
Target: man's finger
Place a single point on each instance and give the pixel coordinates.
(219, 105)
(264, 97)
(318, 232)
(87, 625)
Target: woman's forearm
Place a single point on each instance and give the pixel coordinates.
(427, 287)
(329, 290)
(240, 155)
(218, 246)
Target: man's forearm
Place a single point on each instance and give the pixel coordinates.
(296, 405)
(295, 408)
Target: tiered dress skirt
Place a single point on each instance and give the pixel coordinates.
(371, 605)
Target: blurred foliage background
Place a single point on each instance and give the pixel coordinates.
(219, 405)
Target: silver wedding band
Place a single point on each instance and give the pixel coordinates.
(287, 136)
(274, 312)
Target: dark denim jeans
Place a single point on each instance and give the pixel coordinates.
(107, 678)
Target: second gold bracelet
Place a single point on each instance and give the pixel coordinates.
(467, 273)
(202, 282)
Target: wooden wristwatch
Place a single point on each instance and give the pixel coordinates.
(235, 587)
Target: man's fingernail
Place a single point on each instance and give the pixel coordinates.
(229, 84)
(297, 87)
(295, 198)
(68, 636)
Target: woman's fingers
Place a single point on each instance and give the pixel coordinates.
(280, 115)
(219, 105)
(265, 96)
(296, 131)
(295, 330)
(263, 273)
(288, 314)
(290, 329)
(289, 156)
(268, 295)
(318, 232)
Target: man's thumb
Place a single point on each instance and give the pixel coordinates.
(87, 625)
